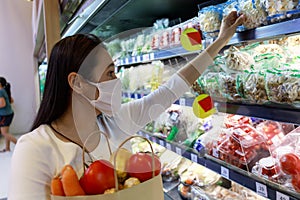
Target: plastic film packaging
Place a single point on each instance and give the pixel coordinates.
(283, 86)
(238, 60)
(254, 87)
(231, 86)
(212, 86)
(254, 12)
(210, 20)
(268, 61)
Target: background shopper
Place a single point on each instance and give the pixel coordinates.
(6, 113)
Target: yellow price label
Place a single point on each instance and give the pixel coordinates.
(203, 106)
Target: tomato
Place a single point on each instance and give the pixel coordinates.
(290, 163)
(139, 166)
(296, 182)
(98, 177)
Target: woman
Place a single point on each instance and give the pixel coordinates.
(6, 113)
(81, 85)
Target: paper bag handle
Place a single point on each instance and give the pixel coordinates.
(115, 157)
(84, 146)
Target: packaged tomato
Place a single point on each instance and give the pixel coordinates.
(233, 153)
(232, 120)
(246, 136)
(267, 167)
(272, 131)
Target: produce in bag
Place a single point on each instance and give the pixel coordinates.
(231, 86)
(237, 60)
(282, 86)
(210, 20)
(211, 82)
(254, 87)
(254, 12)
(229, 6)
(267, 61)
(100, 171)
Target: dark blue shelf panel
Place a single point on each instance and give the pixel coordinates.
(267, 32)
(276, 112)
(271, 111)
(259, 185)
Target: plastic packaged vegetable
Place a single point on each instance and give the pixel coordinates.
(268, 61)
(254, 87)
(229, 84)
(212, 86)
(254, 12)
(238, 60)
(229, 6)
(283, 86)
(273, 132)
(210, 20)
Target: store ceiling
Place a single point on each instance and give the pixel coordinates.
(120, 15)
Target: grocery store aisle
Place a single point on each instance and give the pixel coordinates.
(5, 159)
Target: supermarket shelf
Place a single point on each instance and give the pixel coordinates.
(267, 32)
(261, 186)
(272, 111)
(277, 112)
(158, 55)
(260, 33)
(182, 101)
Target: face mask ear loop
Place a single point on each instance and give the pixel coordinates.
(97, 88)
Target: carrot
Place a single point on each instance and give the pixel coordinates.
(56, 187)
(70, 182)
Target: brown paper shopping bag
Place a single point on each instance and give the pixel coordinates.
(151, 189)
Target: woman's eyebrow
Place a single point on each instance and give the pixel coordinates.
(112, 64)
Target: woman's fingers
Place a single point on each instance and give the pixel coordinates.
(239, 21)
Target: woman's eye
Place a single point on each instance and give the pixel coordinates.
(111, 73)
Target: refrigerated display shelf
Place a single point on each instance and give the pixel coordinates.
(158, 55)
(271, 111)
(184, 101)
(261, 33)
(259, 185)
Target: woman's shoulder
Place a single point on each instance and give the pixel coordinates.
(38, 136)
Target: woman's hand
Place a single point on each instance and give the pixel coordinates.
(229, 25)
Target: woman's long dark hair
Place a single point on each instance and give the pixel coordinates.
(6, 86)
(66, 56)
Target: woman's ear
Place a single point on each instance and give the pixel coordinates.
(75, 82)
